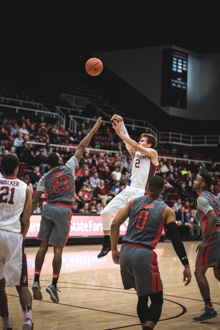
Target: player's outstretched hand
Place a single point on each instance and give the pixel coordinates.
(97, 124)
(117, 117)
(115, 256)
(117, 126)
(187, 275)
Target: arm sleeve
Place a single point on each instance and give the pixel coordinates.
(178, 246)
(125, 132)
(41, 185)
(203, 205)
(71, 163)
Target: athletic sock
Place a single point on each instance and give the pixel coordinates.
(37, 276)
(27, 313)
(5, 321)
(55, 279)
(106, 238)
(208, 302)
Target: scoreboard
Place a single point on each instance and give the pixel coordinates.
(174, 79)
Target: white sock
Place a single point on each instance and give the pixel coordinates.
(6, 322)
(27, 313)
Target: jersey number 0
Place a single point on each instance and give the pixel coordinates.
(142, 219)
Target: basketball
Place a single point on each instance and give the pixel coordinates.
(94, 66)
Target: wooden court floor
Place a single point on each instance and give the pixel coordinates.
(92, 296)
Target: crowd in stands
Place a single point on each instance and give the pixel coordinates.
(100, 175)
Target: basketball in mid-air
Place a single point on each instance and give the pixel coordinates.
(94, 66)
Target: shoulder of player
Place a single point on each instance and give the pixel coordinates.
(28, 190)
(202, 199)
(168, 211)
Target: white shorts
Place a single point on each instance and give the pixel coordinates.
(119, 201)
(11, 257)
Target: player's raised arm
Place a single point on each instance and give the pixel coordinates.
(123, 129)
(84, 143)
(152, 153)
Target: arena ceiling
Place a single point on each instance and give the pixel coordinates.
(65, 31)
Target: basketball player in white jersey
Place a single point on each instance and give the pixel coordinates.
(15, 212)
(144, 159)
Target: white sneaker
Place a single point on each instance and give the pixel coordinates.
(27, 325)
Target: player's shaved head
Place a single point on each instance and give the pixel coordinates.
(155, 185)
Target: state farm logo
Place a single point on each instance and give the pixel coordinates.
(89, 226)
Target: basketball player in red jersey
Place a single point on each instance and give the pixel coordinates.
(145, 159)
(137, 258)
(208, 211)
(56, 215)
(15, 212)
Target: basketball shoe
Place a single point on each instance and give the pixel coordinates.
(27, 325)
(53, 293)
(106, 247)
(36, 291)
(209, 313)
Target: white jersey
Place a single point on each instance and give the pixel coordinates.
(12, 201)
(142, 170)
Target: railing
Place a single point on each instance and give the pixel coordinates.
(72, 124)
(134, 124)
(79, 102)
(70, 147)
(61, 118)
(74, 100)
(186, 160)
(174, 159)
(76, 109)
(22, 103)
(189, 140)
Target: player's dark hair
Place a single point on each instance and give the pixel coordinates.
(206, 178)
(9, 164)
(156, 184)
(53, 159)
(150, 139)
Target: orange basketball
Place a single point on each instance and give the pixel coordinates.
(94, 66)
